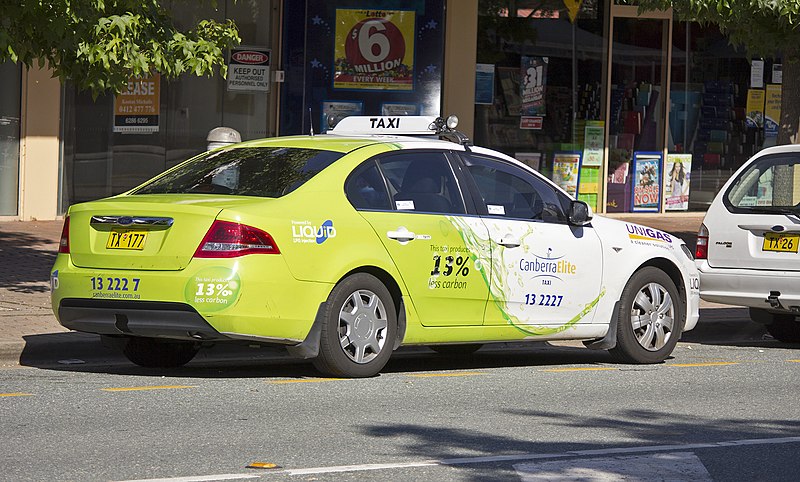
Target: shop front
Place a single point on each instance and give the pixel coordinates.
(630, 112)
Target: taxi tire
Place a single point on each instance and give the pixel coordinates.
(784, 328)
(155, 353)
(332, 359)
(456, 350)
(628, 349)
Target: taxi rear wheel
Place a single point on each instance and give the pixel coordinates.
(650, 318)
(154, 353)
(359, 328)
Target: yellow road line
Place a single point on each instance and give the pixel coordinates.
(304, 380)
(796, 361)
(582, 369)
(459, 374)
(151, 387)
(16, 394)
(706, 364)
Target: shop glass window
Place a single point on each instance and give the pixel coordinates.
(99, 162)
(539, 81)
(9, 138)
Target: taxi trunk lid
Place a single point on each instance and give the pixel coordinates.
(146, 232)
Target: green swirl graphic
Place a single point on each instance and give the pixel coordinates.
(490, 264)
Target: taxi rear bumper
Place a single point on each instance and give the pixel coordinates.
(177, 321)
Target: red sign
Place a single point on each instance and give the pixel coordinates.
(250, 57)
(531, 122)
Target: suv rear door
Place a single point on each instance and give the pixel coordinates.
(755, 223)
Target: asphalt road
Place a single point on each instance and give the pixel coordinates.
(719, 409)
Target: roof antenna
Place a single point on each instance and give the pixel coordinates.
(311, 121)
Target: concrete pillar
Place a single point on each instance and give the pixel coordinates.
(39, 146)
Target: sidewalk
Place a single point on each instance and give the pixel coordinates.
(28, 250)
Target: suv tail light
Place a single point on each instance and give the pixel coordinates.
(63, 243)
(226, 239)
(701, 249)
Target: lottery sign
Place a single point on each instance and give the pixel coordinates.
(374, 49)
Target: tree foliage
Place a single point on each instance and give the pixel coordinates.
(100, 44)
(762, 27)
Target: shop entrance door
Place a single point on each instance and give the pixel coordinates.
(637, 109)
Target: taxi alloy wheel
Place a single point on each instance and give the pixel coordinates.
(650, 318)
(359, 330)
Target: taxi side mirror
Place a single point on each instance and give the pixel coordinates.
(580, 214)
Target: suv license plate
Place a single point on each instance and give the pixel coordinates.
(786, 243)
(126, 240)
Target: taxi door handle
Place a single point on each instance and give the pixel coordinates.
(402, 234)
(509, 242)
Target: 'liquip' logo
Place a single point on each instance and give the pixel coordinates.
(306, 232)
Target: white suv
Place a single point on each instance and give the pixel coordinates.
(747, 246)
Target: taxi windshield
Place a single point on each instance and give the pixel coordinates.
(247, 171)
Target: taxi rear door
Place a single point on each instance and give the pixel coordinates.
(414, 203)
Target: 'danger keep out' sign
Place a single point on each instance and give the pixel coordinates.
(248, 69)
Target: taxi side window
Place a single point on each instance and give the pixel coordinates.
(366, 190)
(422, 182)
(511, 192)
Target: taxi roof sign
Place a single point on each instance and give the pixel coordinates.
(407, 125)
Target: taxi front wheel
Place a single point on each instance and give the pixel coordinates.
(154, 353)
(359, 328)
(650, 318)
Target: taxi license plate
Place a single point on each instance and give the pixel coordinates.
(126, 240)
(786, 243)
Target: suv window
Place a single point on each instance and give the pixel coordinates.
(245, 171)
(770, 182)
(423, 182)
(511, 192)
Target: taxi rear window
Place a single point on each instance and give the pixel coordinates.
(248, 171)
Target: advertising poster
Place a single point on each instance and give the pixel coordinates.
(334, 111)
(593, 143)
(772, 110)
(136, 109)
(399, 108)
(757, 74)
(248, 70)
(532, 159)
(484, 84)
(646, 193)
(676, 182)
(566, 171)
(374, 50)
(533, 79)
(755, 108)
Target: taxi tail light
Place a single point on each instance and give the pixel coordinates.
(226, 239)
(701, 249)
(63, 243)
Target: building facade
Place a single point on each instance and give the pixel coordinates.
(628, 112)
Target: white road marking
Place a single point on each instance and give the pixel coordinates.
(491, 459)
(659, 466)
(521, 457)
(201, 478)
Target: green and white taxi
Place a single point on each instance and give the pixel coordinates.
(386, 231)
